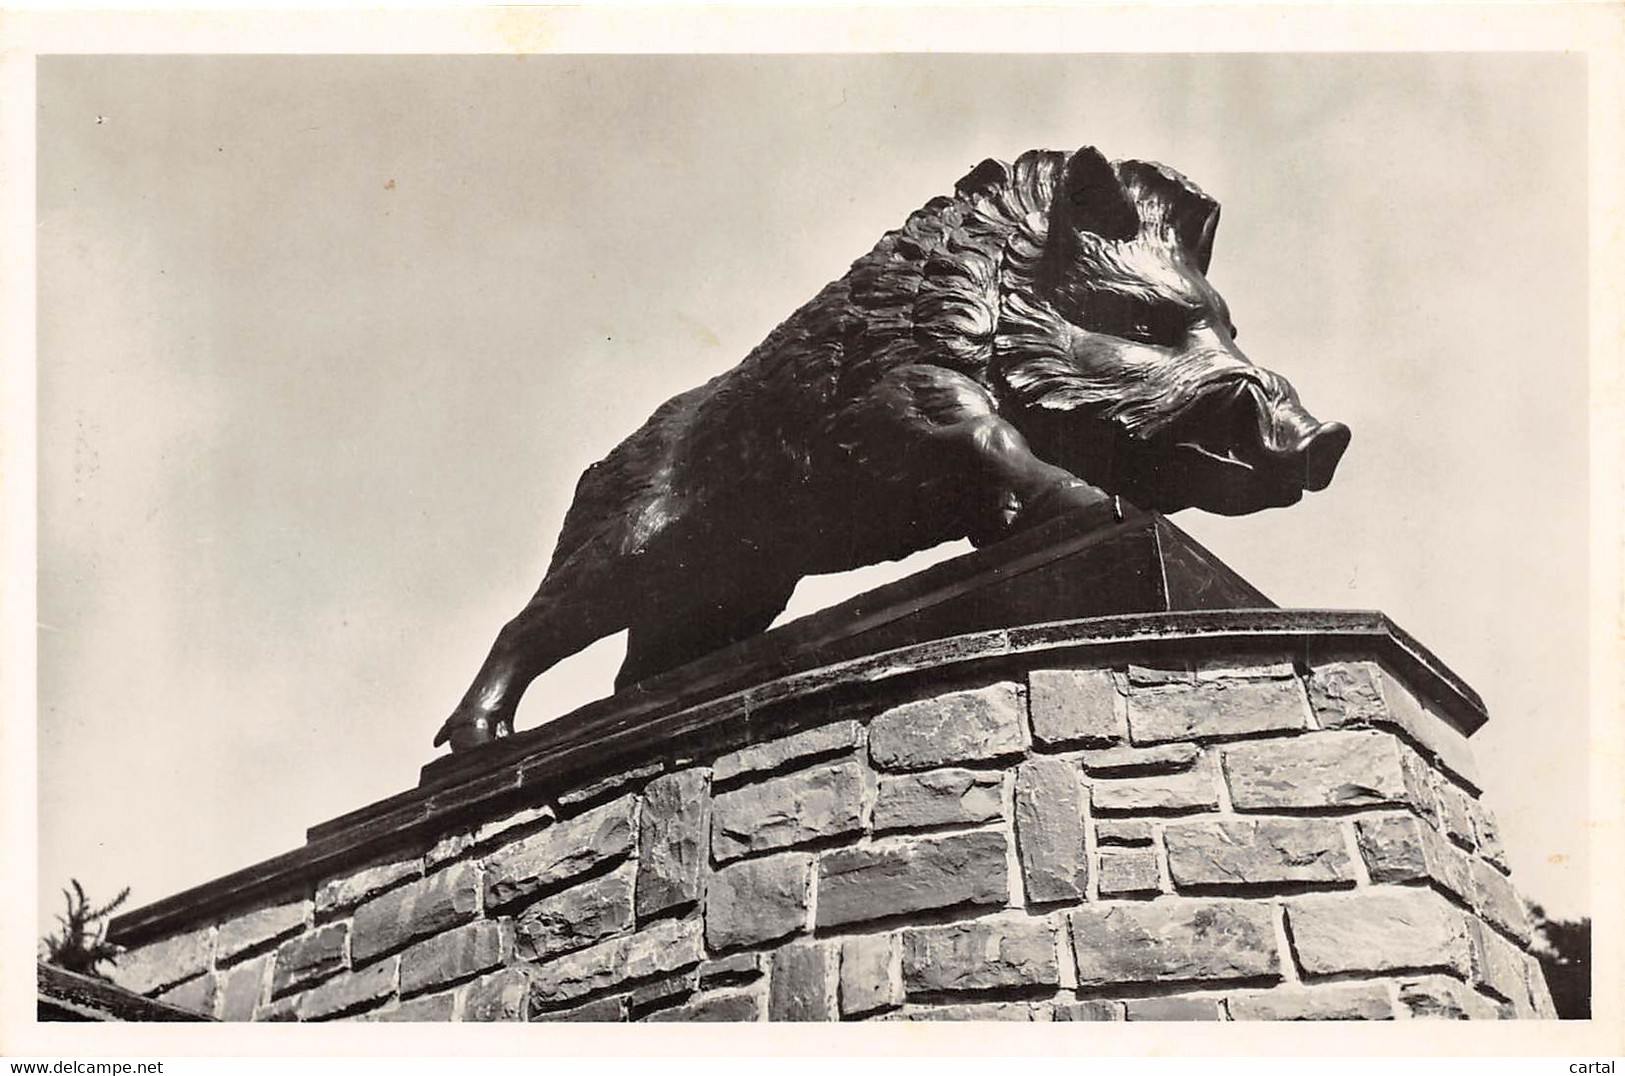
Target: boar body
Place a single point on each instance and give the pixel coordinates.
(1042, 342)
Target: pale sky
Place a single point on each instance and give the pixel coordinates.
(324, 344)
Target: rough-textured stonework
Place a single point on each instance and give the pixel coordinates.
(1232, 834)
(559, 853)
(1049, 831)
(417, 910)
(576, 917)
(1174, 941)
(1246, 852)
(758, 901)
(782, 812)
(871, 974)
(1076, 707)
(908, 876)
(963, 726)
(1009, 951)
(937, 798)
(258, 929)
(1222, 708)
(672, 841)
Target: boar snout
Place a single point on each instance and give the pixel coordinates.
(1294, 439)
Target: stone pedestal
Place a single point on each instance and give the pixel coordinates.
(900, 810)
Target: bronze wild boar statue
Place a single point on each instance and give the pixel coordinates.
(1041, 342)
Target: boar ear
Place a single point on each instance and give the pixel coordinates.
(1181, 205)
(985, 178)
(1092, 199)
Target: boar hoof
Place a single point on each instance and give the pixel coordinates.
(464, 731)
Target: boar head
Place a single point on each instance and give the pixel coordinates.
(1118, 359)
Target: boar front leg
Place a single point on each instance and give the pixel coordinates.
(946, 427)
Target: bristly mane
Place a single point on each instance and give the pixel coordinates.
(947, 288)
(954, 286)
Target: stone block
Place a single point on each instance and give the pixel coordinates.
(1351, 1001)
(1402, 848)
(1123, 832)
(833, 739)
(1088, 1011)
(502, 996)
(1439, 741)
(961, 726)
(1486, 834)
(311, 957)
(808, 805)
(937, 798)
(1247, 852)
(1347, 694)
(1455, 816)
(345, 994)
(1197, 789)
(1218, 709)
(260, 928)
(1377, 930)
(196, 995)
(662, 993)
(1494, 898)
(281, 1011)
(1360, 694)
(1320, 769)
(1434, 997)
(577, 917)
(1072, 707)
(907, 875)
(730, 970)
(416, 910)
(607, 785)
(672, 831)
(1128, 873)
(1177, 940)
(1540, 995)
(454, 845)
(757, 901)
(1173, 1008)
(346, 891)
(1049, 831)
(1498, 966)
(242, 989)
(802, 983)
(976, 1013)
(982, 954)
(602, 1011)
(871, 974)
(149, 968)
(1140, 761)
(662, 948)
(550, 859)
(1421, 786)
(458, 954)
(429, 1009)
(727, 1008)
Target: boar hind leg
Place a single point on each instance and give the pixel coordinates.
(939, 426)
(716, 603)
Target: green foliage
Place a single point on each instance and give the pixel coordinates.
(81, 943)
(1563, 947)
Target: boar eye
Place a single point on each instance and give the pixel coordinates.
(1159, 324)
(1163, 325)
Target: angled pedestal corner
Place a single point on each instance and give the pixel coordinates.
(840, 820)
